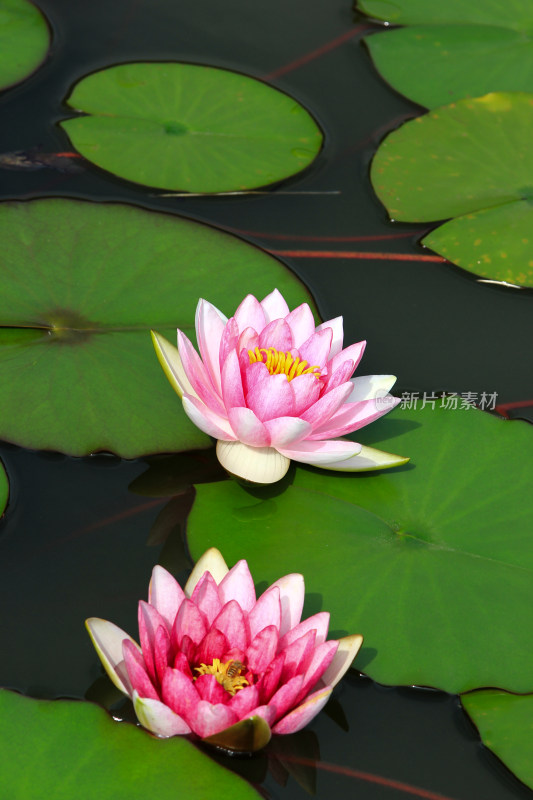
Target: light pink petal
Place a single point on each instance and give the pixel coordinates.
(247, 428)
(321, 454)
(198, 375)
(248, 340)
(272, 397)
(301, 323)
(149, 621)
(238, 585)
(205, 596)
(268, 713)
(353, 352)
(107, 639)
(158, 718)
(327, 405)
(137, 673)
(232, 391)
(267, 611)
(250, 314)
(341, 663)
(291, 593)
(229, 340)
(318, 666)
(262, 649)
(341, 375)
(307, 389)
(162, 652)
(298, 656)
(269, 681)
(353, 416)
(369, 386)
(210, 324)
(205, 419)
(274, 306)
(211, 719)
(316, 349)
(337, 334)
(212, 646)
(179, 694)
(244, 701)
(284, 431)
(165, 594)
(278, 335)
(233, 624)
(210, 689)
(189, 622)
(318, 622)
(304, 713)
(251, 373)
(285, 698)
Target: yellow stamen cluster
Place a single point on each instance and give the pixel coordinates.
(228, 674)
(279, 363)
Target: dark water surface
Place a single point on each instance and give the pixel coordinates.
(77, 542)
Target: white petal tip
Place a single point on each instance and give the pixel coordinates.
(170, 359)
(347, 650)
(262, 465)
(213, 562)
(368, 459)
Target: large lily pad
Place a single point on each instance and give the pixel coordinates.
(432, 563)
(505, 723)
(24, 40)
(64, 749)
(82, 284)
(471, 160)
(4, 489)
(190, 127)
(453, 51)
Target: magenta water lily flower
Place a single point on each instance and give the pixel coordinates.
(271, 387)
(216, 662)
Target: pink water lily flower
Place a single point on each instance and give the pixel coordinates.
(212, 657)
(271, 387)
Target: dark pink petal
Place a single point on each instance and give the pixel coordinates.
(244, 701)
(232, 391)
(272, 397)
(233, 624)
(165, 594)
(181, 662)
(291, 593)
(262, 649)
(285, 698)
(341, 375)
(198, 375)
(318, 622)
(298, 656)
(179, 694)
(247, 428)
(353, 352)
(269, 681)
(250, 314)
(137, 673)
(211, 690)
(301, 323)
(212, 646)
(278, 335)
(327, 405)
(306, 390)
(322, 658)
(285, 431)
(189, 622)
(149, 621)
(188, 648)
(267, 611)
(337, 334)
(353, 416)
(205, 596)
(162, 652)
(274, 306)
(210, 719)
(248, 340)
(321, 453)
(229, 340)
(316, 349)
(205, 419)
(210, 324)
(238, 585)
(304, 713)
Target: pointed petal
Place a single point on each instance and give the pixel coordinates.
(369, 386)
(214, 425)
(205, 596)
(317, 348)
(238, 585)
(158, 718)
(170, 359)
(247, 428)
(277, 334)
(210, 719)
(304, 713)
(267, 611)
(353, 352)
(285, 431)
(292, 593)
(337, 334)
(198, 375)
(367, 459)
(269, 681)
(353, 416)
(319, 663)
(211, 561)
(342, 661)
(301, 323)
(165, 594)
(255, 464)
(210, 689)
(298, 656)
(341, 375)
(262, 649)
(322, 453)
(233, 624)
(284, 699)
(274, 306)
(179, 694)
(137, 673)
(229, 340)
(307, 389)
(162, 652)
(189, 622)
(244, 701)
(232, 391)
(318, 622)
(212, 646)
(327, 405)
(248, 340)
(210, 324)
(149, 621)
(272, 397)
(107, 639)
(250, 314)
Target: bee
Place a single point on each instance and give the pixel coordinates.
(234, 668)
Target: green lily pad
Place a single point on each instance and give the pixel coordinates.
(190, 127)
(453, 51)
(82, 284)
(432, 563)
(471, 160)
(24, 40)
(505, 724)
(65, 749)
(4, 489)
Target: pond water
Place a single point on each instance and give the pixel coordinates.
(78, 540)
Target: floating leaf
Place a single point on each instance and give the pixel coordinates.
(64, 749)
(190, 127)
(454, 50)
(505, 724)
(431, 563)
(4, 489)
(82, 284)
(471, 160)
(24, 40)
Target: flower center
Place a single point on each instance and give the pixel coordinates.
(228, 674)
(279, 363)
